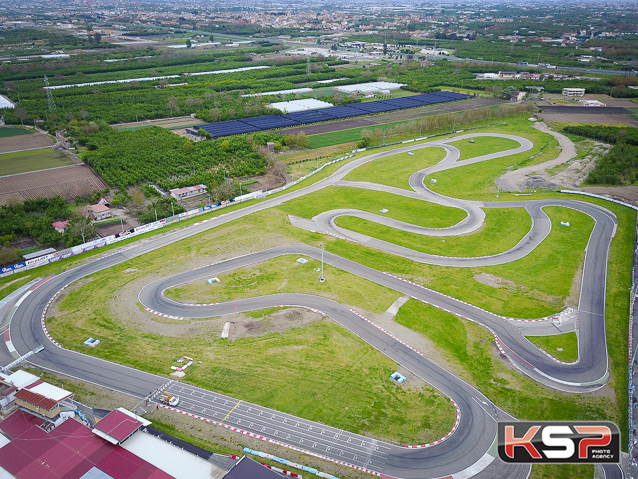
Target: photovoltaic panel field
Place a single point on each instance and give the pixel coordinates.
(270, 122)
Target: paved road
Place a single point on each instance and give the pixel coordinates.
(466, 448)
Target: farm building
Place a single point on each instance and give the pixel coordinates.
(99, 212)
(518, 96)
(371, 87)
(300, 105)
(573, 92)
(181, 193)
(592, 102)
(60, 226)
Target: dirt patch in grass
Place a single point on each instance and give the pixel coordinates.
(291, 318)
(494, 281)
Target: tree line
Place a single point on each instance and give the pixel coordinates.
(620, 165)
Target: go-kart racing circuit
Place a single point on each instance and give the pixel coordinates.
(469, 449)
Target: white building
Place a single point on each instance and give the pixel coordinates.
(573, 92)
(187, 192)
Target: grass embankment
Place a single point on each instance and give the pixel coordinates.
(563, 347)
(410, 210)
(7, 132)
(338, 379)
(502, 230)
(32, 160)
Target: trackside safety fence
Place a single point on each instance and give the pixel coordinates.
(98, 243)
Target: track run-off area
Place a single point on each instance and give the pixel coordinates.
(469, 449)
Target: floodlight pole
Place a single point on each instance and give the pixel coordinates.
(122, 223)
(173, 208)
(322, 279)
(155, 214)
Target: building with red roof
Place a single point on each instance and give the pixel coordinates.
(118, 425)
(60, 226)
(70, 450)
(42, 399)
(181, 193)
(99, 212)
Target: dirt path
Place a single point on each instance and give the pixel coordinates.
(517, 180)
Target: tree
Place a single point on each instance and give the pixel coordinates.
(204, 134)
(225, 191)
(189, 44)
(172, 104)
(508, 92)
(211, 38)
(278, 168)
(82, 227)
(385, 48)
(163, 83)
(214, 113)
(21, 114)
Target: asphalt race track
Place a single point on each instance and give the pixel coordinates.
(468, 451)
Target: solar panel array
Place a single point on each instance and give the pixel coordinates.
(270, 122)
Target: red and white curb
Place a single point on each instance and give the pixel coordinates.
(267, 439)
(546, 318)
(282, 471)
(458, 410)
(157, 313)
(9, 343)
(44, 313)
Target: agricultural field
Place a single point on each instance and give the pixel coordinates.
(33, 160)
(8, 132)
(18, 139)
(68, 182)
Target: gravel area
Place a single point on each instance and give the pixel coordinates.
(517, 180)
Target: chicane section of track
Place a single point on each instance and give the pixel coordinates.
(455, 454)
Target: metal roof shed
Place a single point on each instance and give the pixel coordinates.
(119, 425)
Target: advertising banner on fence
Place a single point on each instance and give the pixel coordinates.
(33, 263)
